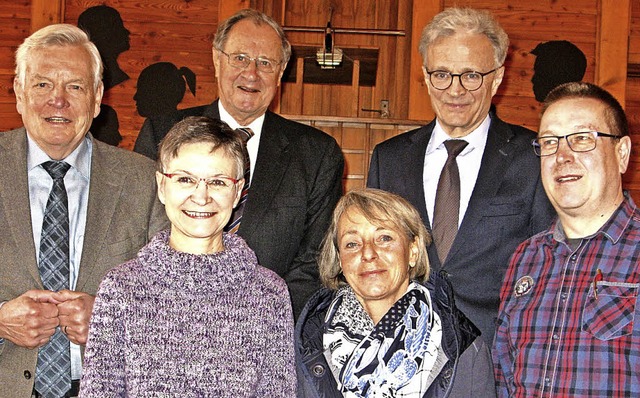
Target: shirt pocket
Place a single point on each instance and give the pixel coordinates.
(611, 314)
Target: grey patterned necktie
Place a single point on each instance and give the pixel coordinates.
(445, 214)
(236, 216)
(53, 372)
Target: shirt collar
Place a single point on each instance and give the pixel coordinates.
(79, 159)
(613, 229)
(255, 126)
(476, 139)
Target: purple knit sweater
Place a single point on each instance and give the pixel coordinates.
(173, 324)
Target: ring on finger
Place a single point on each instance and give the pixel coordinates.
(65, 329)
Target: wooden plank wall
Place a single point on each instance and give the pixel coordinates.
(632, 176)
(15, 25)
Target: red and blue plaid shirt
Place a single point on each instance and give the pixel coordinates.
(566, 324)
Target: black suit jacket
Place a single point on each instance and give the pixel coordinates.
(507, 206)
(296, 184)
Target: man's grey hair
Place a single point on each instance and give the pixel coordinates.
(57, 35)
(259, 19)
(465, 20)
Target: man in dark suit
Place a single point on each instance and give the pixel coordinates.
(296, 170)
(112, 211)
(501, 199)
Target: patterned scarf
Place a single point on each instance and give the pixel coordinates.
(396, 357)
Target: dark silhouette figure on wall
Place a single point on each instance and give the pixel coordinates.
(161, 87)
(106, 30)
(557, 62)
(105, 126)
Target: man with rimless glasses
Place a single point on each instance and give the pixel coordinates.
(568, 322)
(295, 177)
(500, 200)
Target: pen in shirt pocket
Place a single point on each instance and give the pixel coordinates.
(596, 279)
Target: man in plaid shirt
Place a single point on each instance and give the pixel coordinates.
(566, 322)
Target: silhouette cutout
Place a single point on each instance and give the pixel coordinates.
(106, 30)
(161, 87)
(105, 126)
(557, 62)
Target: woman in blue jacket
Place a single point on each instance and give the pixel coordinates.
(380, 327)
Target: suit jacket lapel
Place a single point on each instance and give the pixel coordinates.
(497, 155)
(15, 198)
(415, 155)
(272, 163)
(106, 182)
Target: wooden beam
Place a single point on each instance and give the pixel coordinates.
(419, 104)
(46, 12)
(612, 47)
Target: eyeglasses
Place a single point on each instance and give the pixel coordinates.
(583, 141)
(188, 183)
(470, 81)
(242, 61)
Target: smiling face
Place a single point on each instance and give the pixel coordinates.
(198, 216)
(460, 111)
(375, 261)
(247, 93)
(58, 101)
(583, 186)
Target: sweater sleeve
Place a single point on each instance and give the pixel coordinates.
(103, 369)
(278, 378)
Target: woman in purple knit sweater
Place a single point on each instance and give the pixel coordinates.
(194, 315)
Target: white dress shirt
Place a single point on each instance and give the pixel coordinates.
(255, 126)
(468, 164)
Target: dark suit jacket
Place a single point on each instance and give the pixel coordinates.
(507, 206)
(123, 213)
(296, 184)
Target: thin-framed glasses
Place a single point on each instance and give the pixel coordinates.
(470, 81)
(242, 61)
(189, 183)
(583, 141)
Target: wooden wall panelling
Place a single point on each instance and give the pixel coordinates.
(15, 25)
(46, 12)
(632, 176)
(422, 12)
(338, 100)
(612, 46)
(357, 137)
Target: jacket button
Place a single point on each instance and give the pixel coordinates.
(27, 374)
(318, 370)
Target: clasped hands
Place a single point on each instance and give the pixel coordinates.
(31, 319)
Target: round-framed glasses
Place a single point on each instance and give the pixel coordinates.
(189, 183)
(242, 61)
(470, 81)
(583, 141)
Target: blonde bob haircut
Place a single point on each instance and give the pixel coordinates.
(383, 209)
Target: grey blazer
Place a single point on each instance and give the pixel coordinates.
(123, 214)
(507, 206)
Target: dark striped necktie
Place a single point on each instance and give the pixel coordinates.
(236, 216)
(53, 371)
